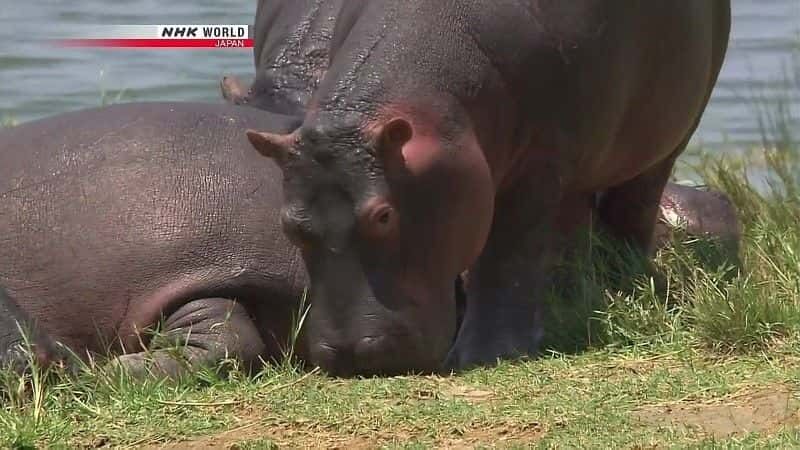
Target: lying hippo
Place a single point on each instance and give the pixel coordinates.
(114, 217)
(424, 153)
(698, 213)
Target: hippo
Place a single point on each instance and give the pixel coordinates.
(698, 212)
(450, 135)
(292, 41)
(119, 219)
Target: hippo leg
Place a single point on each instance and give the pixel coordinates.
(232, 89)
(201, 333)
(505, 288)
(16, 327)
(629, 210)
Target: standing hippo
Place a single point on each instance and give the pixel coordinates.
(291, 53)
(293, 40)
(112, 218)
(449, 135)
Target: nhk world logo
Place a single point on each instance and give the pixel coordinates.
(161, 36)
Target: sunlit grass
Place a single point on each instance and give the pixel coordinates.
(692, 331)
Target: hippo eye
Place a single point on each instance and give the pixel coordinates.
(381, 221)
(382, 215)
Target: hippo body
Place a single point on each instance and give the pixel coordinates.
(113, 218)
(292, 40)
(455, 135)
(292, 52)
(698, 212)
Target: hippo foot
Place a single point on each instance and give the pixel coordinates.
(481, 348)
(506, 286)
(18, 360)
(202, 333)
(158, 364)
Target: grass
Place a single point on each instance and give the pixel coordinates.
(692, 352)
(651, 360)
(7, 120)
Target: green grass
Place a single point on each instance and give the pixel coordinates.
(7, 120)
(689, 352)
(645, 354)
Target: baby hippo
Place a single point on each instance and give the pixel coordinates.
(113, 219)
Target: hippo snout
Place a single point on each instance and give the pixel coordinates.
(385, 354)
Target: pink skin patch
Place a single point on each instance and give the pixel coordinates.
(462, 170)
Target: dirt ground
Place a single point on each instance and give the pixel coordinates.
(303, 435)
(745, 412)
(763, 410)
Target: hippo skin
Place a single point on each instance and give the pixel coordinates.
(292, 47)
(293, 40)
(698, 213)
(453, 135)
(113, 218)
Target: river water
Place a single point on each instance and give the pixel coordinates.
(37, 80)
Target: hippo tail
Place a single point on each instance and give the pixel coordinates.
(20, 333)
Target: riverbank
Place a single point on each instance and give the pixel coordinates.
(703, 355)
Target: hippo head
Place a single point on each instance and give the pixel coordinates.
(386, 216)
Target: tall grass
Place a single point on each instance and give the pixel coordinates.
(750, 303)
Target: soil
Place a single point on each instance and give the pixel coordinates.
(766, 410)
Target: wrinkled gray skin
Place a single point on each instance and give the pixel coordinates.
(425, 153)
(293, 40)
(291, 54)
(112, 217)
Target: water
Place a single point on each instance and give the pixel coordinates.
(38, 80)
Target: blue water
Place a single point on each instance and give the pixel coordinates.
(37, 80)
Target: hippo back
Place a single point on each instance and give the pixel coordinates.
(111, 216)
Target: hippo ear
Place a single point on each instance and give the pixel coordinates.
(393, 136)
(271, 145)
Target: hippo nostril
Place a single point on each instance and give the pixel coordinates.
(333, 359)
(367, 341)
(381, 354)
